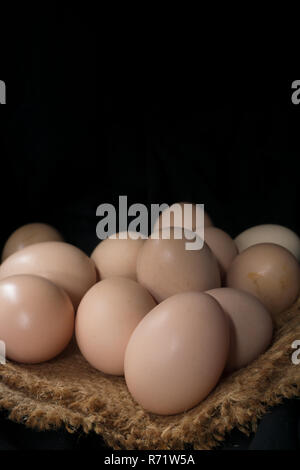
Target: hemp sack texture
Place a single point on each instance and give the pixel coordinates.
(68, 392)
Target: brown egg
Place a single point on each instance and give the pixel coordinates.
(177, 353)
(61, 263)
(174, 216)
(268, 271)
(117, 257)
(222, 246)
(36, 318)
(28, 235)
(251, 326)
(106, 318)
(165, 267)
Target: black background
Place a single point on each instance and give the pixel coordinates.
(77, 132)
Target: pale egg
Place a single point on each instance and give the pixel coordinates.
(269, 233)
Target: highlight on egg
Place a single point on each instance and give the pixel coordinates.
(177, 353)
(62, 263)
(36, 318)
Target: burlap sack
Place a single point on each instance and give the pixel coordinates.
(68, 392)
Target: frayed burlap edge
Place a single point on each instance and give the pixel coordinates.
(68, 392)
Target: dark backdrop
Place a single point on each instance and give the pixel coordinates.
(77, 133)
(62, 159)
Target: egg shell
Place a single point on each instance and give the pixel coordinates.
(269, 233)
(61, 263)
(268, 271)
(222, 246)
(177, 353)
(117, 256)
(174, 216)
(106, 318)
(251, 326)
(29, 234)
(165, 267)
(36, 318)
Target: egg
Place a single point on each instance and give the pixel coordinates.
(268, 271)
(36, 318)
(62, 263)
(174, 216)
(165, 267)
(222, 246)
(177, 353)
(251, 326)
(28, 235)
(106, 318)
(269, 233)
(118, 256)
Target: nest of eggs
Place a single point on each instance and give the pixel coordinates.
(67, 391)
(49, 396)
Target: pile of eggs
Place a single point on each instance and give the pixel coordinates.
(172, 321)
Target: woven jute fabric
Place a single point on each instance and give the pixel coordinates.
(68, 392)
